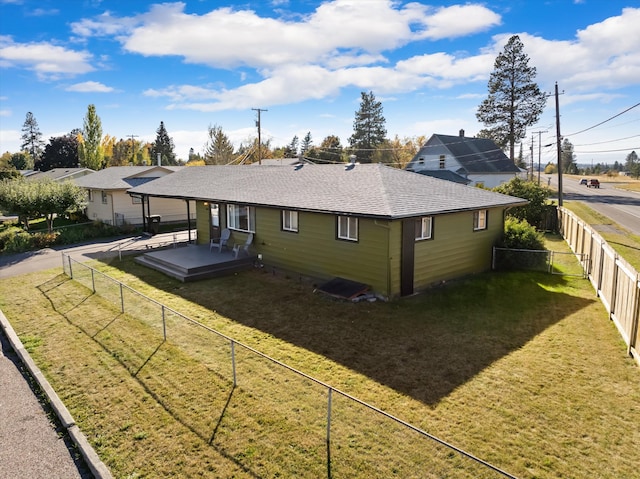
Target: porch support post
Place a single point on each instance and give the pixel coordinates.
(188, 221)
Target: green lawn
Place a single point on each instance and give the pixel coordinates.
(523, 370)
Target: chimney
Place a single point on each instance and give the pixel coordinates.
(461, 133)
(352, 159)
(159, 159)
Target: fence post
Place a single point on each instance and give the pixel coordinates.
(164, 324)
(93, 282)
(70, 269)
(121, 298)
(233, 362)
(329, 433)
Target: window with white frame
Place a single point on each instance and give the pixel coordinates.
(136, 200)
(442, 162)
(348, 228)
(480, 220)
(90, 195)
(290, 220)
(241, 218)
(104, 197)
(424, 228)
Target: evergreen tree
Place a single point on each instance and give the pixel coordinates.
(218, 149)
(60, 152)
(568, 158)
(32, 138)
(306, 144)
(291, 150)
(90, 150)
(164, 147)
(632, 164)
(368, 128)
(515, 100)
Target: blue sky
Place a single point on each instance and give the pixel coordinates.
(193, 64)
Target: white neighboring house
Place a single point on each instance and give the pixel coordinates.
(58, 174)
(478, 160)
(109, 202)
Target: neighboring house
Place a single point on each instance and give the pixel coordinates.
(109, 202)
(478, 160)
(60, 174)
(393, 230)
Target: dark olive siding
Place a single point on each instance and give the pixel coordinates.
(202, 223)
(456, 250)
(315, 250)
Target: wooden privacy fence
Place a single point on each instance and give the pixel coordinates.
(616, 282)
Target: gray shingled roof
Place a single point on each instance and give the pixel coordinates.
(476, 155)
(118, 177)
(364, 190)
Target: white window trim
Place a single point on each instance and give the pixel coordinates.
(290, 221)
(105, 199)
(231, 217)
(480, 220)
(426, 228)
(90, 195)
(352, 228)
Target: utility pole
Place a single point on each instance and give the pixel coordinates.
(559, 146)
(259, 110)
(531, 157)
(133, 149)
(539, 150)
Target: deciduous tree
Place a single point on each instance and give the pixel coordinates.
(90, 148)
(35, 199)
(568, 158)
(60, 152)
(534, 212)
(21, 161)
(368, 128)
(515, 101)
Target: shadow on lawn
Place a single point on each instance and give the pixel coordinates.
(424, 346)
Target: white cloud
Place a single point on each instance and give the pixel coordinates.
(5, 112)
(47, 60)
(90, 87)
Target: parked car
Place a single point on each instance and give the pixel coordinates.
(593, 184)
(583, 181)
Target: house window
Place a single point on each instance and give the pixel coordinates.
(90, 195)
(442, 162)
(480, 220)
(290, 221)
(424, 228)
(421, 161)
(136, 200)
(241, 218)
(104, 197)
(348, 228)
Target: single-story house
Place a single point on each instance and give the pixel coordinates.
(109, 202)
(478, 160)
(60, 174)
(393, 230)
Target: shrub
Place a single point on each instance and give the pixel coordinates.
(520, 235)
(534, 212)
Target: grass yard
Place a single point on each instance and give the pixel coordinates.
(523, 370)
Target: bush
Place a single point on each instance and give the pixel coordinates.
(520, 235)
(534, 212)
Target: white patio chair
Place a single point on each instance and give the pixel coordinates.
(220, 242)
(244, 246)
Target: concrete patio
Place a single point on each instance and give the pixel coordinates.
(194, 262)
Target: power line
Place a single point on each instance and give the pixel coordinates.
(605, 121)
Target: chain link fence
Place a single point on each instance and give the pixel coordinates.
(553, 262)
(342, 435)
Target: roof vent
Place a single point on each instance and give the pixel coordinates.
(462, 133)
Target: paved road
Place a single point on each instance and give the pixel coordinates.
(621, 206)
(30, 444)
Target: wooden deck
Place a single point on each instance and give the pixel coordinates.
(195, 262)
